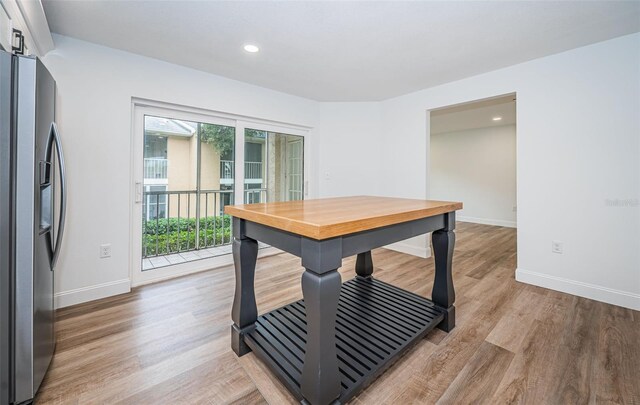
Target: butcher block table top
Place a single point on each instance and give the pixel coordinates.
(332, 217)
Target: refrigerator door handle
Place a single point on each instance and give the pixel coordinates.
(54, 136)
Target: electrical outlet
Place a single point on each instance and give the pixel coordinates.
(105, 250)
(557, 247)
(515, 208)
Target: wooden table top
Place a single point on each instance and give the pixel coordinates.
(331, 217)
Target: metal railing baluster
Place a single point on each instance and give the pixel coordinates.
(188, 216)
(178, 235)
(206, 216)
(197, 217)
(157, 222)
(215, 220)
(218, 227)
(168, 219)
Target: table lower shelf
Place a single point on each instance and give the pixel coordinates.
(376, 323)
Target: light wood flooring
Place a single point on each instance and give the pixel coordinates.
(169, 343)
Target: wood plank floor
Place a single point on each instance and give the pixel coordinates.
(168, 343)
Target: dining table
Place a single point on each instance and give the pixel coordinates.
(333, 343)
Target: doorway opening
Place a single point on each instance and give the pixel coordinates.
(473, 159)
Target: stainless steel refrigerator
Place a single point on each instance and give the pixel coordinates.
(32, 216)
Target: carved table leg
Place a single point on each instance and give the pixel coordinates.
(320, 375)
(321, 283)
(443, 294)
(244, 311)
(364, 264)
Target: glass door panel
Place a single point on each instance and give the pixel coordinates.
(215, 184)
(188, 179)
(274, 167)
(294, 176)
(255, 166)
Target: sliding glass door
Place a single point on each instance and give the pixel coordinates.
(191, 169)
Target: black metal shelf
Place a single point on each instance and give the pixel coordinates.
(376, 323)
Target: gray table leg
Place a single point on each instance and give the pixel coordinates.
(364, 264)
(244, 311)
(321, 283)
(443, 294)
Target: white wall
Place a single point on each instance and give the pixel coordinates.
(578, 148)
(94, 111)
(354, 152)
(351, 149)
(477, 166)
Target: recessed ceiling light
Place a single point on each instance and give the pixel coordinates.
(497, 118)
(251, 48)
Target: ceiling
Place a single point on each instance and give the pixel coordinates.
(344, 51)
(476, 114)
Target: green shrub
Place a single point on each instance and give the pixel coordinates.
(184, 224)
(175, 235)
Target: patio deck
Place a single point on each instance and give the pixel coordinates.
(188, 256)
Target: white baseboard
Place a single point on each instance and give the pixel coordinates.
(90, 293)
(486, 221)
(410, 249)
(104, 290)
(586, 290)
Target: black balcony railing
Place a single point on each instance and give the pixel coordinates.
(181, 221)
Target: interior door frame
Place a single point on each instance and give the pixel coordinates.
(140, 108)
(453, 103)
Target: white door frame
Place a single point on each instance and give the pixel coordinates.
(140, 108)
